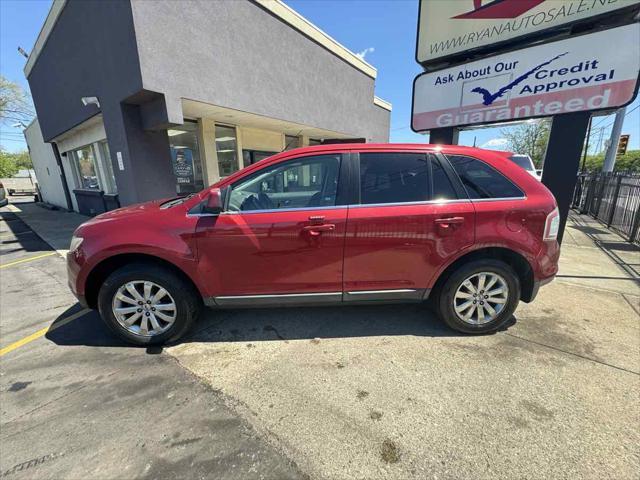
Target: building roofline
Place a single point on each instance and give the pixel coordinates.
(297, 21)
(381, 103)
(50, 21)
(276, 7)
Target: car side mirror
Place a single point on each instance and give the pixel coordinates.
(214, 202)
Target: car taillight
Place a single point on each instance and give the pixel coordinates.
(552, 225)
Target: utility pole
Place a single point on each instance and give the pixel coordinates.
(610, 157)
(586, 146)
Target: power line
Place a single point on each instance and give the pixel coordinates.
(609, 124)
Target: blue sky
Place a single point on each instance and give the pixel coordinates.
(383, 30)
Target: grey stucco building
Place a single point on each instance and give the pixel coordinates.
(188, 92)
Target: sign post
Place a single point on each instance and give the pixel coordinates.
(562, 160)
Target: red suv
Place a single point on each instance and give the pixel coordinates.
(360, 223)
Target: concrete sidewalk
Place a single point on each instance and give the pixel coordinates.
(594, 256)
(54, 226)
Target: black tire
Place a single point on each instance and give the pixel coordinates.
(444, 302)
(187, 299)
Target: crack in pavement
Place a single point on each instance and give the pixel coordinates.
(572, 353)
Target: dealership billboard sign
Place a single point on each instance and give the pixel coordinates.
(454, 27)
(590, 72)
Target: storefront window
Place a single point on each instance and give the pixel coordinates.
(314, 141)
(185, 158)
(291, 142)
(227, 150)
(84, 165)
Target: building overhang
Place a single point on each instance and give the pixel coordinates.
(223, 115)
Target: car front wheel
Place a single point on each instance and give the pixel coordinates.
(148, 305)
(479, 297)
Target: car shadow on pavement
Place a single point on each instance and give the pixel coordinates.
(88, 329)
(273, 324)
(24, 239)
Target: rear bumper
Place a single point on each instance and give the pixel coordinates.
(536, 287)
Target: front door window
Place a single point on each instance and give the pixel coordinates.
(306, 182)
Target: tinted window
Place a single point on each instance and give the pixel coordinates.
(393, 177)
(301, 183)
(481, 180)
(522, 161)
(442, 188)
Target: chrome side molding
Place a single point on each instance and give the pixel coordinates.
(321, 298)
(285, 299)
(403, 294)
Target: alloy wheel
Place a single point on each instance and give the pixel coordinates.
(144, 308)
(480, 298)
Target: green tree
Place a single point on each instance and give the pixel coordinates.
(8, 167)
(15, 103)
(529, 138)
(22, 159)
(630, 161)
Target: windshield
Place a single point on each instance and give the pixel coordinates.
(522, 161)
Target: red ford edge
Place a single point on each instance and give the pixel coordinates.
(464, 228)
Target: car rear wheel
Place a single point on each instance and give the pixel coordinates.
(479, 297)
(148, 305)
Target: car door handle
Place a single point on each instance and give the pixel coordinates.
(445, 222)
(315, 230)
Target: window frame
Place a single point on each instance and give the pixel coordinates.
(523, 195)
(76, 168)
(108, 183)
(341, 190)
(239, 158)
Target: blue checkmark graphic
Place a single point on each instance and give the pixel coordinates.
(488, 98)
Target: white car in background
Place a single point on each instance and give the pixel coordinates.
(525, 162)
(3, 196)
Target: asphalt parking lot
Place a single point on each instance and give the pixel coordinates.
(352, 392)
(77, 403)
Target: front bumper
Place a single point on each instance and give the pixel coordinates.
(73, 270)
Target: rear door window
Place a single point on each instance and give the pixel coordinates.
(481, 180)
(393, 178)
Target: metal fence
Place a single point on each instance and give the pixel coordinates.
(613, 198)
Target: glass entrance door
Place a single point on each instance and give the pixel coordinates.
(185, 158)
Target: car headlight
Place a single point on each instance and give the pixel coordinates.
(75, 243)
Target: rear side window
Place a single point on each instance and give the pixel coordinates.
(393, 177)
(481, 180)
